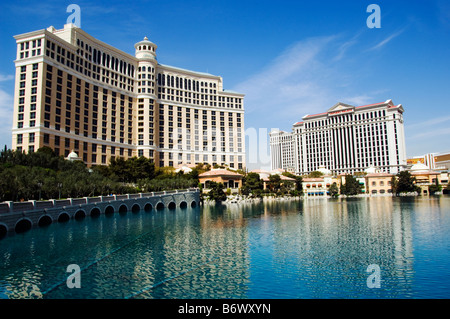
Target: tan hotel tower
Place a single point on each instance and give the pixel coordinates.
(74, 92)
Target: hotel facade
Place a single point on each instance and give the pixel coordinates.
(345, 139)
(74, 92)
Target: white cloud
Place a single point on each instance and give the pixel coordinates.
(361, 100)
(288, 81)
(8, 77)
(304, 79)
(387, 40)
(429, 123)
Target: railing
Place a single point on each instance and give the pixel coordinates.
(7, 207)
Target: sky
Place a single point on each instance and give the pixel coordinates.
(289, 58)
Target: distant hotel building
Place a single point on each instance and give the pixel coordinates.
(345, 139)
(439, 161)
(74, 92)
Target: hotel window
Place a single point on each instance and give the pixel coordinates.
(31, 137)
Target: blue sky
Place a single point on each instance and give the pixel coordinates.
(290, 58)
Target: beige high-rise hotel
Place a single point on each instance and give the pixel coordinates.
(74, 92)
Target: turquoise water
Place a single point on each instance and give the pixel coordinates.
(314, 248)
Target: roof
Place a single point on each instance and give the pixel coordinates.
(419, 167)
(429, 172)
(312, 179)
(146, 41)
(259, 171)
(282, 177)
(379, 175)
(220, 172)
(349, 107)
(174, 68)
(231, 92)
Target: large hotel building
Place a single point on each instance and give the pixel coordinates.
(345, 139)
(74, 92)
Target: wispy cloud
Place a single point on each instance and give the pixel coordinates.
(288, 80)
(437, 132)
(8, 77)
(360, 100)
(427, 136)
(303, 79)
(430, 122)
(386, 40)
(345, 46)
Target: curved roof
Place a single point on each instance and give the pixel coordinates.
(220, 172)
(419, 167)
(324, 170)
(146, 41)
(372, 170)
(72, 155)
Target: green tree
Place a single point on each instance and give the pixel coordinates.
(298, 181)
(405, 183)
(216, 192)
(274, 183)
(351, 186)
(286, 187)
(334, 190)
(315, 174)
(434, 188)
(252, 183)
(394, 185)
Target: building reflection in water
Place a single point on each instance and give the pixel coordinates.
(315, 248)
(323, 248)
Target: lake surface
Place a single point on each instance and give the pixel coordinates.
(313, 248)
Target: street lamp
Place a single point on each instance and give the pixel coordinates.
(59, 188)
(40, 186)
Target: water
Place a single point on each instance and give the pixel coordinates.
(290, 249)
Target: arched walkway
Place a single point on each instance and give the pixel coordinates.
(3, 231)
(80, 214)
(109, 210)
(63, 217)
(45, 220)
(123, 208)
(23, 225)
(95, 212)
(136, 208)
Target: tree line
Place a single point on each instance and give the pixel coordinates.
(44, 175)
(403, 182)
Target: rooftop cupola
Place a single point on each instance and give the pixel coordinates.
(145, 49)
